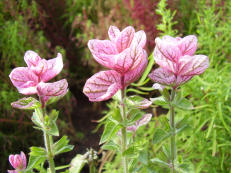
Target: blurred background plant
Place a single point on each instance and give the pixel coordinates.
(66, 26)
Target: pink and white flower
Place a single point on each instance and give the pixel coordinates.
(32, 79)
(26, 79)
(177, 61)
(18, 162)
(124, 54)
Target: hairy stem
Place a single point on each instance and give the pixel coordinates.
(173, 130)
(48, 144)
(124, 133)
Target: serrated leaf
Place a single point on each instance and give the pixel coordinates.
(160, 162)
(131, 152)
(111, 146)
(38, 151)
(35, 161)
(52, 129)
(77, 164)
(160, 135)
(62, 146)
(159, 101)
(138, 102)
(37, 118)
(27, 103)
(110, 130)
(182, 103)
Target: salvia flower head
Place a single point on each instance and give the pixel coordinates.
(124, 55)
(32, 79)
(177, 61)
(18, 162)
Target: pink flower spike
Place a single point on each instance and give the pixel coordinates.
(176, 60)
(113, 33)
(54, 67)
(18, 162)
(24, 80)
(102, 86)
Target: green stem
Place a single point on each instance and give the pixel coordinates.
(124, 133)
(48, 144)
(173, 129)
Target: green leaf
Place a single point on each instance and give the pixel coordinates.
(182, 103)
(131, 152)
(133, 116)
(160, 135)
(37, 118)
(159, 101)
(111, 146)
(52, 128)
(138, 102)
(77, 163)
(54, 114)
(160, 162)
(38, 151)
(28, 103)
(35, 161)
(62, 146)
(110, 130)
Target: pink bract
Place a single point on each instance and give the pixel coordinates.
(124, 54)
(143, 121)
(18, 162)
(49, 90)
(26, 79)
(177, 61)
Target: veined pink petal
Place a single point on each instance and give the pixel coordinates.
(163, 62)
(162, 76)
(127, 60)
(11, 160)
(139, 39)
(24, 80)
(102, 86)
(193, 65)
(181, 80)
(144, 120)
(170, 39)
(31, 58)
(102, 51)
(125, 38)
(167, 49)
(113, 33)
(54, 67)
(188, 45)
(52, 89)
(134, 74)
(40, 68)
(23, 156)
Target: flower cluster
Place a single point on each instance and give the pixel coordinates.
(177, 61)
(32, 79)
(124, 54)
(18, 162)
